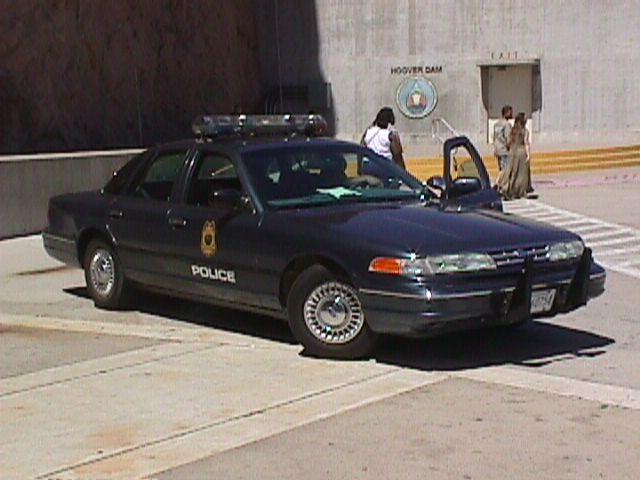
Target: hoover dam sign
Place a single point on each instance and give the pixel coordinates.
(416, 69)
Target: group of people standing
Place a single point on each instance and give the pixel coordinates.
(512, 148)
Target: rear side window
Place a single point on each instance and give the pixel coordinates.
(121, 178)
(157, 181)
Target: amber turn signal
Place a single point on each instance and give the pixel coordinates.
(391, 266)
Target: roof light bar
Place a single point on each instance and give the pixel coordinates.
(218, 125)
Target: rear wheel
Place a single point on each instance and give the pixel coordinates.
(103, 274)
(326, 316)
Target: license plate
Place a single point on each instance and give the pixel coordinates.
(542, 300)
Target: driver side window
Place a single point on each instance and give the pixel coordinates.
(214, 173)
(157, 181)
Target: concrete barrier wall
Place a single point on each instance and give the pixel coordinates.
(28, 181)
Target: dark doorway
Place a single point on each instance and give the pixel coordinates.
(515, 84)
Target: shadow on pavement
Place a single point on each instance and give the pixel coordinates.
(534, 345)
(206, 315)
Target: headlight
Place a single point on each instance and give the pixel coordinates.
(565, 250)
(433, 265)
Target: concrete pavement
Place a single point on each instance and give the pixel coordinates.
(608, 195)
(456, 429)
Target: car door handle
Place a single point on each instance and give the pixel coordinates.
(114, 213)
(177, 222)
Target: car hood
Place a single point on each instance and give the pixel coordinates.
(425, 229)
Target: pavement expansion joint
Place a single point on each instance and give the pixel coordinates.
(6, 389)
(251, 414)
(556, 385)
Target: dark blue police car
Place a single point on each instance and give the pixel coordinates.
(257, 213)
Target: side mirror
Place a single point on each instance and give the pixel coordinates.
(226, 199)
(466, 185)
(437, 183)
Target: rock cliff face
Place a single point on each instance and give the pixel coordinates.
(85, 74)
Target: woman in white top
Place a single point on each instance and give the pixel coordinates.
(384, 141)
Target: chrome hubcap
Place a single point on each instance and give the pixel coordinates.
(102, 272)
(333, 313)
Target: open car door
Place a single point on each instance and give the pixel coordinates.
(465, 181)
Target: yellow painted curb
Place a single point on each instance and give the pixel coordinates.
(591, 151)
(546, 162)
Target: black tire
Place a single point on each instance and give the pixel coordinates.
(103, 274)
(318, 295)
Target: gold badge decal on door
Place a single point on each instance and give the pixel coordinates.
(208, 240)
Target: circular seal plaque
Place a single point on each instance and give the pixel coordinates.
(416, 97)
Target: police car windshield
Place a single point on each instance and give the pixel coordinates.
(310, 175)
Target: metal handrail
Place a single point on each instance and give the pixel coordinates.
(436, 130)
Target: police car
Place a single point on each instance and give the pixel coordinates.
(262, 214)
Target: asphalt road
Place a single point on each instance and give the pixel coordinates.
(179, 390)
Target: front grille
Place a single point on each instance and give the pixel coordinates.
(515, 256)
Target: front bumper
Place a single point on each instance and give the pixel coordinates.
(482, 304)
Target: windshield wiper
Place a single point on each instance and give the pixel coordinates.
(327, 199)
(384, 198)
(301, 204)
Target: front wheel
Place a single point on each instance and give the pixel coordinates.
(326, 316)
(103, 274)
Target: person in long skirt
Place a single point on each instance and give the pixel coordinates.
(516, 179)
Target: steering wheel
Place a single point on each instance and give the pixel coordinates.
(365, 181)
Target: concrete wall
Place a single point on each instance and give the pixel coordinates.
(588, 53)
(289, 56)
(28, 181)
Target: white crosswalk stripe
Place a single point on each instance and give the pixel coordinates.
(592, 235)
(615, 247)
(573, 222)
(587, 228)
(620, 251)
(614, 241)
(629, 263)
